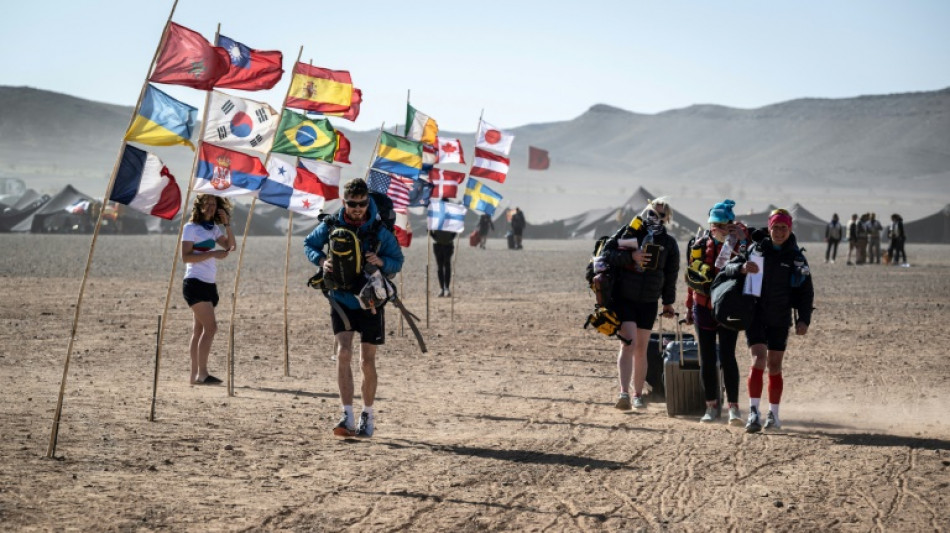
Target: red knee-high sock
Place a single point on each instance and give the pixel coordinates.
(755, 382)
(775, 388)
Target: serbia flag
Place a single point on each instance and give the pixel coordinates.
(144, 184)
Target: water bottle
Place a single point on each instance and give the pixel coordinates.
(647, 240)
(726, 251)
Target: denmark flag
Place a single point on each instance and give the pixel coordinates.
(445, 183)
(489, 166)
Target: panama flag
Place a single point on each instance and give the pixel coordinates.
(420, 127)
(445, 183)
(239, 123)
(188, 59)
(297, 188)
(251, 70)
(224, 172)
(162, 120)
(493, 139)
(144, 184)
(447, 216)
(478, 197)
(489, 166)
(450, 151)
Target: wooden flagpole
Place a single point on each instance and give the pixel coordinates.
(290, 233)
(428, 268)
(237, 274)
(57, 415)
(175, 253)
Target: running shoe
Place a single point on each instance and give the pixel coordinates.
(366, 426)
(639, 402)
(753, 425)
(623, 402)
(344, 428)
(735, 417)
(712, 413)
(772, 421)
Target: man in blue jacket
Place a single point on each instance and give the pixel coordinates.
(380, 249)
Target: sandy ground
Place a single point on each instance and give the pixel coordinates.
(506, 424)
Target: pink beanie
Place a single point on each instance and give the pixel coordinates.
(780, 215)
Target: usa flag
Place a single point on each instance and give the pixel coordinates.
(393, 186)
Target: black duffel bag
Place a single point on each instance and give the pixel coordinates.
(731, 307)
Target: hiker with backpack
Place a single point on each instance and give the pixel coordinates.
(786, 286)
(707, 254)
(361, 247)
(644, 260)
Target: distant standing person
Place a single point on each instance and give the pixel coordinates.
(443, 246)
(485, 225)
(517, 226)
(833, 233)
(896, 232)
(786, 286)
(861, 245)
(852, 237)
(198, 240)
(874, 239)
(646, 260)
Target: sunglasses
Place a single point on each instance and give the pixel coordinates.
(718, 225)
(353, 203)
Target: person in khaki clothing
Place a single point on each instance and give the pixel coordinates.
(861, 239)
(874, 239)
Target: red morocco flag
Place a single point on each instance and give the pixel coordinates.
(190, 60)
(489, 166)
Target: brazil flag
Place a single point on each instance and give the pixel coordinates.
(304, 137)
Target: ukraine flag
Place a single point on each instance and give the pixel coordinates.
(478, 197)
(305, 137)
(162, 121)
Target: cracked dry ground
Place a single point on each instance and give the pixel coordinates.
(506, 424)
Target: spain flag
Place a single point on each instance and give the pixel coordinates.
(311, 88)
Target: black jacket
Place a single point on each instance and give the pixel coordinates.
(649, 285)
(786, 284)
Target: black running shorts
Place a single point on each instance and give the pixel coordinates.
(371, 327)
(773, 337)
(194, 290)
(641, 313)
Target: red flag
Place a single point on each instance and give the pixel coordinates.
(538, 159)
(188, 59)
(402, 230)
(490, 166)
(445, 183)
(251, 70)
(342, 154)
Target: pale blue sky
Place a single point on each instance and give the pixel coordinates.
(522, 62)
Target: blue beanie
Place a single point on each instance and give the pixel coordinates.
(722, 212)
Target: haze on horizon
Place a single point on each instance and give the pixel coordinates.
(522, 63)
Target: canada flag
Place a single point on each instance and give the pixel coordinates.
(450, 151)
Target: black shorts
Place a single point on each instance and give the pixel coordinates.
(773, 337)
(372, 327)
(642, 313)
(194, 290)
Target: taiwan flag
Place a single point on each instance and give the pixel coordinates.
(190, 60)
(251, 70)
(223, 172)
